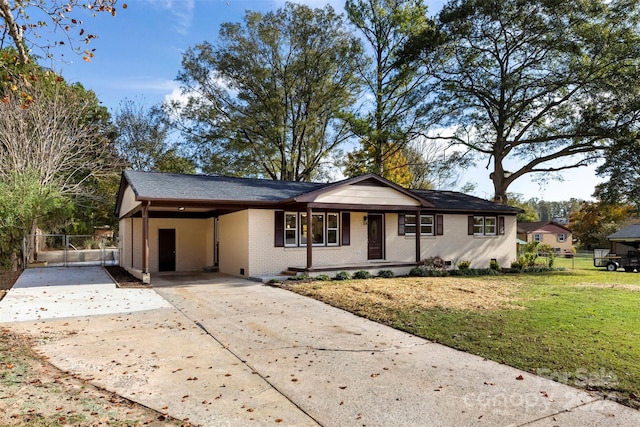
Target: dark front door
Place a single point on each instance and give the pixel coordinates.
(375, 229)
(167, 249)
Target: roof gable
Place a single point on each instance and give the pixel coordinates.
(542, 226)
(367, 189)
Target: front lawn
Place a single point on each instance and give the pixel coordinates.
(580, 326)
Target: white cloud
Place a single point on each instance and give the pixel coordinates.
(181, 11)
(146, 84)
(176, 95)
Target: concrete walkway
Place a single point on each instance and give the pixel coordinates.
(234, 352)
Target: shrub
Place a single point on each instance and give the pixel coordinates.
(342, 275)
(465, 264)
(322, 278)
(427, 272)
(361, 274)
(387, 274)
(299, 278)
(418, 272)
(435, 263)
(437, 273)
(493, 265)
(274, 281)
(518, 264)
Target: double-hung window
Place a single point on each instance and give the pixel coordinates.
(324, 229)
(490, 225)
(290, 229)
(426, 225)
(562, 237)
(332, 229)
(480, 225)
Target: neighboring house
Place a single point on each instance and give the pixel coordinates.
(551, 233)
(258, 228)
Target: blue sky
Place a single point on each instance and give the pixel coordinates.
(139, 52)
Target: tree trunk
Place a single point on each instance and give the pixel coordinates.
(500, 185)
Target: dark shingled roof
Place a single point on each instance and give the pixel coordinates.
(455, 201)
(168, 186)
(631, 232)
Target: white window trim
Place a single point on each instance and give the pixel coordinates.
(495, 226)
(562, 237)
(297, 227)
(422, 234)
(324, 229)
(336, 228)
(481, 232)
(537, 237)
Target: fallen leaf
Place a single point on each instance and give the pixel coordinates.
(520, 377)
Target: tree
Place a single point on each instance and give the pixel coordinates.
(61, 136)
(431, 166)
(622, 170)
(269, 99)
(596, 220)
(58, 137)
(528, 213)
(23, 22)
(540, 86)
(388, 122)
(142, 140)
(23, 201)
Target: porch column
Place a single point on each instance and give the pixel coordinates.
(418, 226)
(145, 237)
(309, 239)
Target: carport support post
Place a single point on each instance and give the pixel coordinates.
(309, 239)
(418, 226)
(145, 237)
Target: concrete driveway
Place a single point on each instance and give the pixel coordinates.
(233, 352)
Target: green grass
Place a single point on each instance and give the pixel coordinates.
(563, 327)
(580, 325)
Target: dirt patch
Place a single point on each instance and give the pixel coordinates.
(35, 393)
(609, 286)
(7, 279)
(124, 279)
(412, 293)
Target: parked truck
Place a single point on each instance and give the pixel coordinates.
(630, 262)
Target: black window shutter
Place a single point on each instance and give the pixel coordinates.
(500, 225)
(439, 225)
(346, 228)
(401, 224)
(279, 229)
(470, 227)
